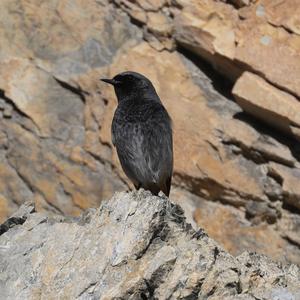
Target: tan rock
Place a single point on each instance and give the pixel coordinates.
(49, 142)
(264, 101)
(290, 183)
(13, 191)
(248, 139)
(134, 10)
(262, 46)
(5, 208)
(283, 13)
(68, 36)
(34, 93)
(151, 4)
(67, 186)
(207, 27)
(231, 44)
(228, 226)
(138, 8)
(159, 24)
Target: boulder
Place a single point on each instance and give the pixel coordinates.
(135, 246)
(269, 104)
(238, 160)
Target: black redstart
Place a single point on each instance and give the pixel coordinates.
(142, 133)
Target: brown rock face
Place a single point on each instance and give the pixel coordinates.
(236, 234)
(236, 163)
(49, 142)
(264, 101)
(252, 38)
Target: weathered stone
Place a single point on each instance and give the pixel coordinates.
(264, 101)
(134, 246)
(83, 36)
(231, 44)
(45, 103)
(290, 183)
(48, 121)
(55, 115)
(18, 218)
(153, 5)
(255, 145)
(207, 28)
(133, 9)
(159, 24)
(285, 14)
(236, 234)
(261, 211)
(272, 44)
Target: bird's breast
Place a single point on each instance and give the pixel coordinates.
(139, 111)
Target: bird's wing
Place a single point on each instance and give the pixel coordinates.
(128, 142)
(145, 149)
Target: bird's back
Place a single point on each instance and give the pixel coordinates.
(142, 134)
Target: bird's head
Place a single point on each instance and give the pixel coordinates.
(132, 85)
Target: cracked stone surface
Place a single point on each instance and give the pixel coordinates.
(135, 246)
(48, 127)
(235, 135)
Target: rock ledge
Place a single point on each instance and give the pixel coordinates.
(135, 246)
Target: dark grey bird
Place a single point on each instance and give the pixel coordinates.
(142, 133)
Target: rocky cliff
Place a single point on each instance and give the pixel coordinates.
(135, 246)
(228, 73)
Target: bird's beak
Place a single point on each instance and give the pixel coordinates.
(110, 81)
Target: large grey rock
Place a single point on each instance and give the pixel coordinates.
(135, 246)
(55, 114)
